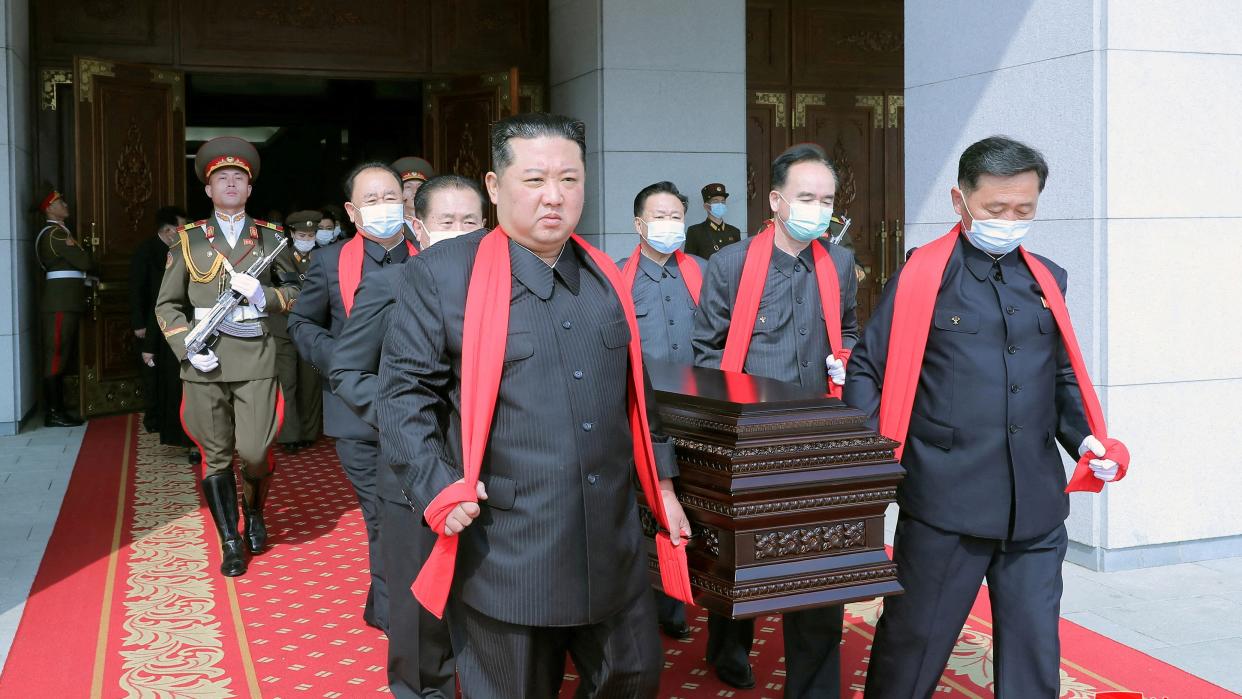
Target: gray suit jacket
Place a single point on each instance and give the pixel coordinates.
(559, 542)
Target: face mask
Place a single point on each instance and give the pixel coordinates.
(665, 236)
(303, 245)
(995, 235)
(434, 237)
(719, 210)
(382, 220)
(807, 222)
(323, 237)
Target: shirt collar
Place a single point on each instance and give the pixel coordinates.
(981, 264)
(531, 271)
(231, 218)
(655, 270)
(376, 252)
(716, 226)
(784, 263)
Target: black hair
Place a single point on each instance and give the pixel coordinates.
(999, 156)
(374, 164)
(664, 187)
(168, 215)
(533, 125)
(440, 182)
(799, 153)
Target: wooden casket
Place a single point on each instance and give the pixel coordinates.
(785, 489)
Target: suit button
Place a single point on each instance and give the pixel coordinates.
(668, 298)
(1014, 429)
(674, 345)
(588, 426)
(797, 266)
(592, 479)
(664, 275)
(1011, 310)
(671, 321)
(806, 364)
(1013, 349)
(567, 325)
(801, 331)
(577, 373)
(798, 299)
(1014, 388)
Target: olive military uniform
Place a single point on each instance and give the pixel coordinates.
(65, 265)
(299, 380)
(706, 238)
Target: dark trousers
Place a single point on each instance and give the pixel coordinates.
(358, 459)
(941, 573)
(420, 657)
(812, 649)
(618, 658)
(668, 610)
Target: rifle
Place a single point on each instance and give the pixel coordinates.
(208, 328)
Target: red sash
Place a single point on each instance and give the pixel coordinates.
(750, 292)
(349, 269)
(690, 272)
(913, 304)
(484, 334)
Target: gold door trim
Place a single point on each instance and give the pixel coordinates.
(777, 100)
(49, 78)
(88, 68)
(876, 104)
(801, 101)
(895, 104)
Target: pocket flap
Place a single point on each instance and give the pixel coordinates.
(615, 334)
(957, 321)
(1047, 323)
(501, 492)
(519, 345)
(932, 432)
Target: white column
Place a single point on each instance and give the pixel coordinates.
(1141, 208)
(19, 365)
(662, 89)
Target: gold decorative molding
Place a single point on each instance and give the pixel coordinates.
(801, 101)
(535, 94)
(88, 69)
(133, 177)
(777, 100)
(895, 103)
(501, 80)
(876, 104)
(173, 79)
(49, 78)
(881, 41)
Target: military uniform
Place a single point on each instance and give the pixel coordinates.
(299, 380)
(65, 264)
(414, 172)
(706, 238)
(238, 404)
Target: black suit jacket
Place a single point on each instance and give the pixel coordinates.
(995, 394)
(559, 542)
(316, 321)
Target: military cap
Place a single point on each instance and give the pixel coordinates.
(413, 168)
(226, 151)
(51, 196)
(714, 189)
(304, 221)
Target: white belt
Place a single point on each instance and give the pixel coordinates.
(239, 314)
(66, 274)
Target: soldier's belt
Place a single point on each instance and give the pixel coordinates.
(241, 313)
(66, 274)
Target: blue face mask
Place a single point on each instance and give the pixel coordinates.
(719, 210)
(806, 222)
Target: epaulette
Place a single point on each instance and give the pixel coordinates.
(267, 224)
(188, 226)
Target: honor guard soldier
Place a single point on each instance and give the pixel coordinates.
(232, 397)
(706, 238)
(414, 172)
(299, 380)
(65, 265)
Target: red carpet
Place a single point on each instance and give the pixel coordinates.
(128, 601)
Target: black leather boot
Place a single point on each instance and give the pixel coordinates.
(55, 415)
(256, 530)
(220, 490)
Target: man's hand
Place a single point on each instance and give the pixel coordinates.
(205, 362)
(465, 513)
(249, 287)
(1104, 469)
(836, 369)
(141, 333)
(678, 523)
(148, 358)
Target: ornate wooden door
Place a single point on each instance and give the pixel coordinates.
(130, 160)
(460, 112)
(894, 183)
(850, 128)
(767, 134)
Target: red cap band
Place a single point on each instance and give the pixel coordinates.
(47, 201)
(227, 161)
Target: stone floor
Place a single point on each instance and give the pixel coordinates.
(1189, 615)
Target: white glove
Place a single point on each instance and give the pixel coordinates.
(1104, 469)
(836, 369)
(206, 361)
(249, 287)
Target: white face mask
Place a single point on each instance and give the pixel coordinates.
(666, 236)
(383, 220)
(303, 245)
(807, 221)
(323, 237)
(434, 237)
(996, 236)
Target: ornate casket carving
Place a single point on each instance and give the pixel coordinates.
(785, 488)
